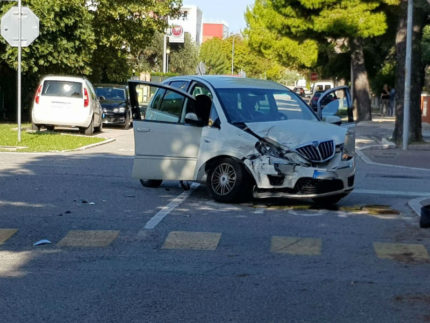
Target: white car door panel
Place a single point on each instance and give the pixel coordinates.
(165, 150)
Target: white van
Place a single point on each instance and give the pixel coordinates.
(322, 86)
(66, 101)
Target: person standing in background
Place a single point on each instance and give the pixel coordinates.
(385, 97)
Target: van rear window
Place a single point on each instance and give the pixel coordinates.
(62, 88)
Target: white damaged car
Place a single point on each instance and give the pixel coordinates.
(241, 136)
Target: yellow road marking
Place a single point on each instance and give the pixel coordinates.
(401, 251)
(192, 240)
(88, 238)
(296, 246)
(6, 234)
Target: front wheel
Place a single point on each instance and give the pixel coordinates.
(127, 123)
(151, 182)
(228, 181)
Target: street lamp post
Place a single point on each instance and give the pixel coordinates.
(167, 59)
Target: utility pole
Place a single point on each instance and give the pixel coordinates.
(408, 65)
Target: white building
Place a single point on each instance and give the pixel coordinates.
(191, 22)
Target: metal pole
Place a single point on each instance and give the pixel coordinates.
(164, 53)
(232, 57)
(19, 67)
(408, 64)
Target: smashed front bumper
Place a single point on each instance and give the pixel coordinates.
(277, 177)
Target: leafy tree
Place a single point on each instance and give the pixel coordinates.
(65, 45)
(212, 53)
(183, 58)
(421, 11)
(295, 32)
(217, 55)
(123, 29)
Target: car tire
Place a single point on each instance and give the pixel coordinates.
(228, 181)
(127, 121)
(50, 128)
(89, 130)
(35, 127)
(328, 200)
(153, 183)
(99, 128)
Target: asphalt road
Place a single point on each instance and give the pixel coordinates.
(119, 252)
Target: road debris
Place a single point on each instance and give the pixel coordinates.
(41, 242)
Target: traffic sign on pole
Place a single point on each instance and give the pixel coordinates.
(10, 26)
(20, 27)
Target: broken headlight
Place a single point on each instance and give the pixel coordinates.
(267, 147)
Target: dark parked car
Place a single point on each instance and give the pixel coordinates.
(115, 103)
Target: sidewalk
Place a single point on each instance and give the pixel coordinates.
(373, 145)
(373, 140)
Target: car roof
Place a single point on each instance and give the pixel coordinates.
(225, 81)
(110, 85)
(64, 78)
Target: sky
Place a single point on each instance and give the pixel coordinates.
(228, 11)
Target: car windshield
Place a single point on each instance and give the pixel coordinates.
(261, 105)
(111, 93)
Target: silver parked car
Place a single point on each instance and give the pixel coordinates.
(241, 136)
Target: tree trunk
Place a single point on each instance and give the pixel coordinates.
(417, 74)
(361, 82)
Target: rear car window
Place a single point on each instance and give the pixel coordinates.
(62, 88)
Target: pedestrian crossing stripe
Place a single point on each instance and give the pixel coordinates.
(192, 240)
(296, 246)
(5, 234)
(88, 238)
(401, 251)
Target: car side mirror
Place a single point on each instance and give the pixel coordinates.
(192, 119)
(333, 120)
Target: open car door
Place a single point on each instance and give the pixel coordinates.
(167, 132)
(335, 102)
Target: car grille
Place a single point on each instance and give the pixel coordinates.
(318, 186)
(317, 152)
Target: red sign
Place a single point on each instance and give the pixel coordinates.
(177, 31)
(314, 76)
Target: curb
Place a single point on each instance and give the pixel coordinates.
(104, 142)
(416, 204)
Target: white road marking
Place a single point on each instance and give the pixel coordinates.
(368, 161)
(259, 211)
(392, 193)
(157, 218)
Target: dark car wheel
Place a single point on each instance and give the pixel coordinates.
(228, 181)
(151, 182)
(89, 130)
(50, 128)
(127, 120)
(35, 127)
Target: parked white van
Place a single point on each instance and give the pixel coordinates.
(66, 101)
(322, 86)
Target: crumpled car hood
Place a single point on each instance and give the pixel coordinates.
(293, 133)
